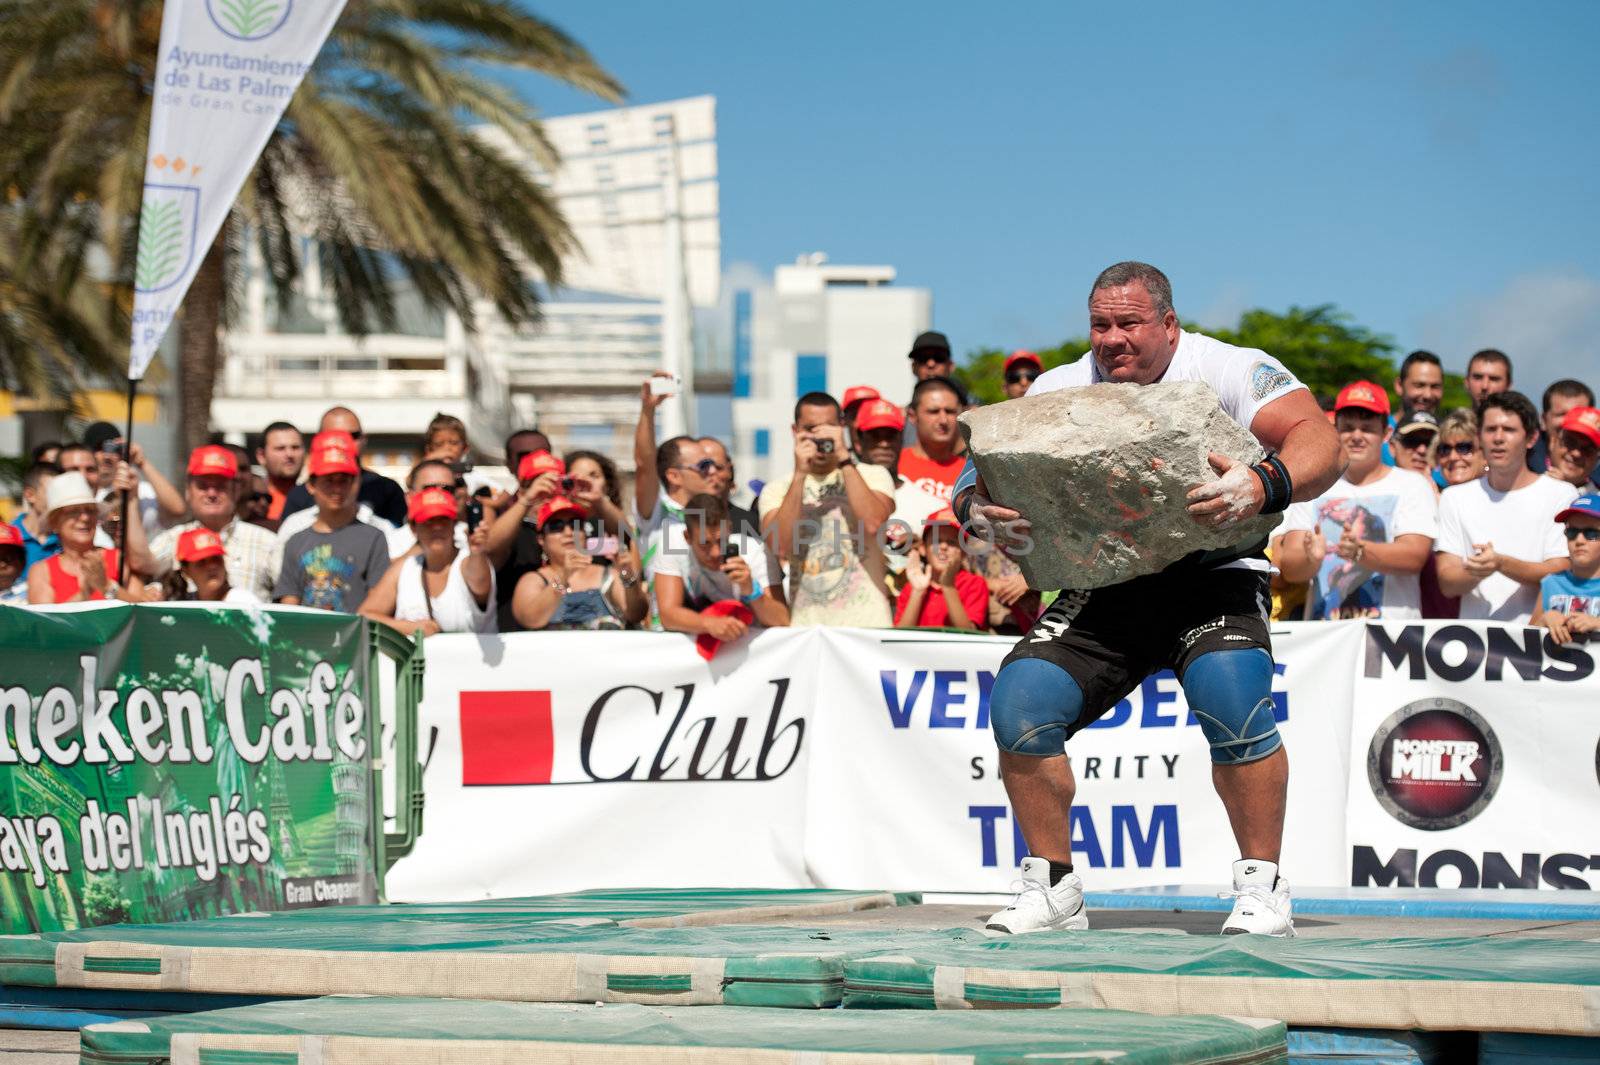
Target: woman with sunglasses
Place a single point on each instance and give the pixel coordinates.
(1021, 368)
(440, 588)
(82, 572)
(571, 590)
(1457, 456)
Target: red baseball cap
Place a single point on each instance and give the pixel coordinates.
(559, 505)
(429, 503)
(944, 516)
(1585, 421)
(11, 536)
(333, 451)
(1023, 356)
(880, 414)
(536, 463)
(1363, 395)
(213, 460)
(859, 394)
(197, 544)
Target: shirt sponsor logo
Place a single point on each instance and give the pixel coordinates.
(1265, 379)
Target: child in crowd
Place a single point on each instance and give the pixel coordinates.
(939, 592)
(334, 563)
(1569, 601)
(13, 566)
(202, 573)
(703, 563)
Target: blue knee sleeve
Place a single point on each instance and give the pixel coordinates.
(1032, 705)
(1230, 693)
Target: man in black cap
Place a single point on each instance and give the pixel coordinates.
(1413, 441)
(930, 356)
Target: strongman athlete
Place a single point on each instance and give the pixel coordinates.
(1205, 616)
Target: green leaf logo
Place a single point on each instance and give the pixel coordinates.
(248, 18)
(160, 243)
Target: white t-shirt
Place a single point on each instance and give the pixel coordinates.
(1244, 379)
(1399, 503)
(701, 585)
(454, 608)
(1520, 524)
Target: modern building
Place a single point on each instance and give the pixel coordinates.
(638, 185)
(818, 327)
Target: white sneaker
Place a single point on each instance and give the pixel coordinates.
(1260, 901)
(1039, 907)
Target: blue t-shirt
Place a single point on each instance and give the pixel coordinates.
(1565, 593)
(38, 550)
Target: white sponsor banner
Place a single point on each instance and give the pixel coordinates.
(224, 75)
(858, 758)
(905, 791)
(568, 760)
(1474, 759)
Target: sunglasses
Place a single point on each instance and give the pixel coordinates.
(557, 525)
(930, 360)
(1464, 448)
(1590, 535)
(1416, 440)
(258, 497)
(1019, 377)
(705, 467)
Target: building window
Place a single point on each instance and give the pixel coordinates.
(763, 443)
(810, 374)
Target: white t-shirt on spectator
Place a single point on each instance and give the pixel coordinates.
(1520, 524)
(1397, 504)
(702, 587)
(454, 608)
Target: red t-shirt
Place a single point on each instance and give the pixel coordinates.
(971, 589)
(934, 478)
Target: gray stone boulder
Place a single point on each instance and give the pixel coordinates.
(1101, 471)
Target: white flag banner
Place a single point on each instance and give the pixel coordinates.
(224, 75)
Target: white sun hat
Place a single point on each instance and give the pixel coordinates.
(67, 490)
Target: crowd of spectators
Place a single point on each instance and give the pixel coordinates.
(1484, 512)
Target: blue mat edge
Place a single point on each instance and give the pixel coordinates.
(1444, 905)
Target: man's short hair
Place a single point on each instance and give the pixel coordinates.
(36, 473)
(1492, 355)
(1419, 356)
(816, 399)
(667, 455)
(506, 447)
(1126, 273)
(40, 449)
(278, 427)
(243, 457)
(411, 478)
(1567, 388)
(935, 384)
(1514, 402)
(706, 509)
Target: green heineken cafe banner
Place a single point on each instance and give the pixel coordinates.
(169, 762)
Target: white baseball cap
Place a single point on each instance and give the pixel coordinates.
(69, 489)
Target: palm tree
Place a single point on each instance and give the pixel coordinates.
(375, 159)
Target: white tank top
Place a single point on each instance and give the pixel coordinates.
(454, 609)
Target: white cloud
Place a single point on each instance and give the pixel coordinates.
(1549, 323)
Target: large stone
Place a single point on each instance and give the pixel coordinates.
(1101, 472)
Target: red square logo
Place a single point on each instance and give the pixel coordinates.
(506, 738)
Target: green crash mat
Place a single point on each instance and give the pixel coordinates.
(1545, 986)
(485, 956)
(379, 1031)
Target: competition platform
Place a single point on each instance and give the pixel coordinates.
(814, 977)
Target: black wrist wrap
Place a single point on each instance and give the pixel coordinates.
(1275, 481)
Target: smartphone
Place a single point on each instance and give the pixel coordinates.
(474, 515)
(730, 551)
(664, 386)
(600, 546)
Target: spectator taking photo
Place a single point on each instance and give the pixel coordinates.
(714, 564)
(440, 588)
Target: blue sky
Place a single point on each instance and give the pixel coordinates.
(1431, 168)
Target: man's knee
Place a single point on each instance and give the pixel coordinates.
(1230, 693)
(1032, 705)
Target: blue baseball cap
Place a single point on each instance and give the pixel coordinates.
(1585, 504)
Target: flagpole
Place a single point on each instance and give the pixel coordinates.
(122, 525)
